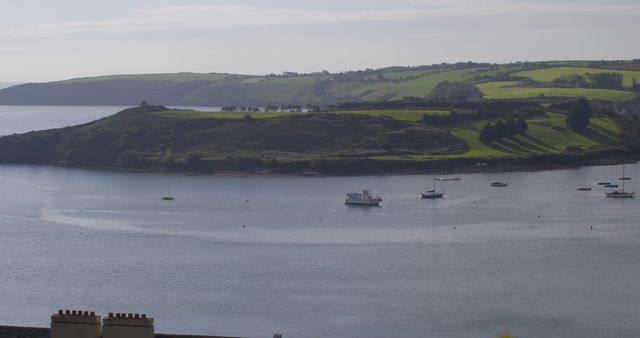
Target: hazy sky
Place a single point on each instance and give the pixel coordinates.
(42, 40)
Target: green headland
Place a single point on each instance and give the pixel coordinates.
(374, 121)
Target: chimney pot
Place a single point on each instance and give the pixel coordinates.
(92, 313)
(144, 316)
(67, 312)
(61, 312)
(74, 313)
(130, 315)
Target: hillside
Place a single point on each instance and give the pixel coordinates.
(149, 138)
(337, 142)
(497, 81)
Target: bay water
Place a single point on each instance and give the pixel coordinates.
(253, 256)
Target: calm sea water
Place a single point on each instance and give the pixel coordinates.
(263, 255)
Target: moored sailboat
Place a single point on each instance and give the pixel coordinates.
(433, 193)
(168, 196)
(622, 193)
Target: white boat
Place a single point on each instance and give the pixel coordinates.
(498, 183)
(168, 196)
(622, 193)
(364, 198)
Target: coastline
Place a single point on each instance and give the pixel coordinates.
(369, 167)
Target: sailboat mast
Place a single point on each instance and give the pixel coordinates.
(434, 176)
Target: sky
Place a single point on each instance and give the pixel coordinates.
(43, 40)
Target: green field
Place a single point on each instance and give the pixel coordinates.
(398, 114)
(510, 90)
(383, 91)
(545, 135)
(192, 114)
(550, 74)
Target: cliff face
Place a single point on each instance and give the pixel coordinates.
(139, 138)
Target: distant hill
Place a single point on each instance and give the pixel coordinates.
(8, 84)
(497, 81)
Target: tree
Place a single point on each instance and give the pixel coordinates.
(606, 80)
(455, 92)
(571, 80)
(313, 108)
(522, 125)
(512, 127)
(579, 115)
(487, 133)
(501, 130)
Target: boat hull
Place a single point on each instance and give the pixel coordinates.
(375, 203)
(621, 194)
(431, 196)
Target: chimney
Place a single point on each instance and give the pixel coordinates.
(127, 325)
(75, 324)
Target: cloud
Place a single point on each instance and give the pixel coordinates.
(206, 17)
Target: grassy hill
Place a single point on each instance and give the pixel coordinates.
(342, 141)
(156, 138)
(546, 135)
(511, 90)
(549, 74)
(497, 81)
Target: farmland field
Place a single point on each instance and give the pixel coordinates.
(549, 74)
(510, 90)
(544, 135)
(192, 114)
(398, 114)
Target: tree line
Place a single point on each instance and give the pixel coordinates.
(501, 129)
(290, 108)
(596, 80)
